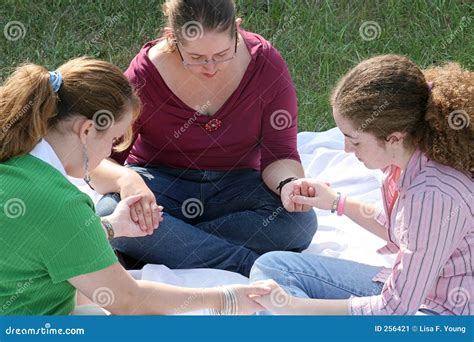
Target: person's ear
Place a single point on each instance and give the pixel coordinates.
(169, 34)
(83, 128)
(396, 138)
(238, 22)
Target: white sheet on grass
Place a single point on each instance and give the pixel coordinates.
(323, 158)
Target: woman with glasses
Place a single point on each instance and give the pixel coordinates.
(52, 244)
(215, 145)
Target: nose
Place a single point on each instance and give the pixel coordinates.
(210, 68)
(348, 148)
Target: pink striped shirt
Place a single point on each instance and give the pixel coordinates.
(431, 229)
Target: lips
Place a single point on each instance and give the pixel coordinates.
(210, 75)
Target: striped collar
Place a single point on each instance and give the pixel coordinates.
(416, 163)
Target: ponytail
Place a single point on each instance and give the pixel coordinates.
(27, 102)
(448, 134)
(29, 107)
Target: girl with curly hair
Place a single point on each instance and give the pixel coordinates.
(421, 136)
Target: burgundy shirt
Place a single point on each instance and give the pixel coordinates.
(258, 121)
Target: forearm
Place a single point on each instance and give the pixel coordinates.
(151, 298)
(107, 177)
(280, 170)
(364, 215)
(307, 306)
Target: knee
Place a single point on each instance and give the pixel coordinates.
(299, 230)
(268, 266)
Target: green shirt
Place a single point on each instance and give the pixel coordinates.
(49, 233)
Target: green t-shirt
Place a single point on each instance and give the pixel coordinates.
(49, 233)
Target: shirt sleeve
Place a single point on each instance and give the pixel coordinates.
(280, 119)
(425, 238)
(74, 242)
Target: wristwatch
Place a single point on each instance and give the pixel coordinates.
(109, 228)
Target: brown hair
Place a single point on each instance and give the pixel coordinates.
(190, 18)
(29, 107)
(435, 107)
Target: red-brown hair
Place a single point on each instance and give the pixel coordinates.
(29, 107)
(435, 107)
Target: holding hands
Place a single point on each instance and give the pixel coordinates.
(122, 222)
(277, 300)
(144, 212)
(302, 194)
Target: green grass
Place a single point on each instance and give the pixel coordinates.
(320, 40)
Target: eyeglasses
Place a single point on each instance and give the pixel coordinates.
(214, 60)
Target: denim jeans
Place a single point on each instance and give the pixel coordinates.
(316, 276)
(214, 219)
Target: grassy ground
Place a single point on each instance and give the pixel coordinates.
(320, 40)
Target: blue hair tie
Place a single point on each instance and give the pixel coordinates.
(55, 79)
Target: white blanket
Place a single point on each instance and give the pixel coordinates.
(323, 158)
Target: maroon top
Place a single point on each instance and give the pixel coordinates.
(256, 126)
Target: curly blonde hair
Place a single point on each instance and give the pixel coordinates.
(435, 107)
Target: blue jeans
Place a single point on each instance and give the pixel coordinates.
(316, 276)
(213, 219)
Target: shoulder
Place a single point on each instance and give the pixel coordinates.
(140, 66)
(38, 185)
(447, 183)
(263, 52)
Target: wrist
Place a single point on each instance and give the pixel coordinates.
(108, 227)
(212, 299)
(341, 205)
(285, 182)
(335, 202)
